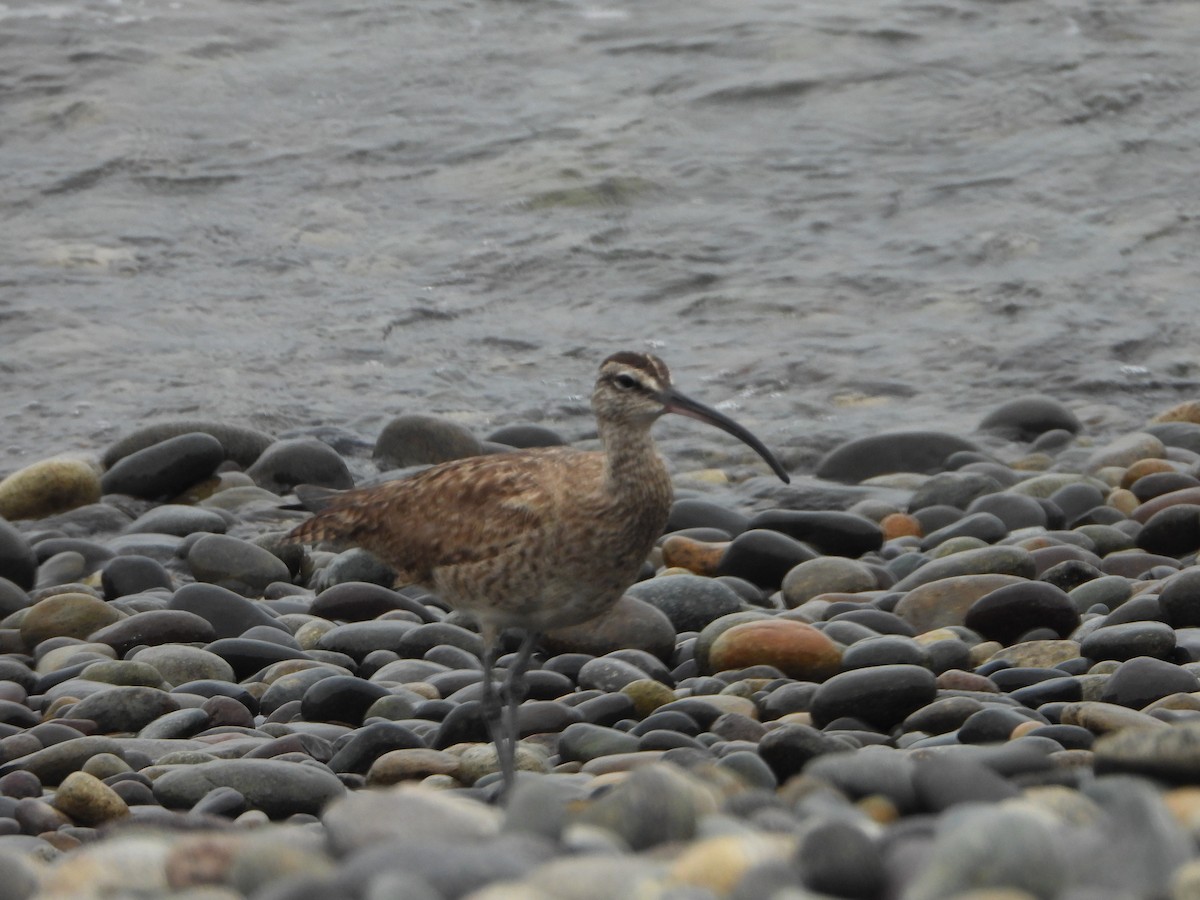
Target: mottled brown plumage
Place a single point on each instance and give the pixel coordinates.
(533, 539)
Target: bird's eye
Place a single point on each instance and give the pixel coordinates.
(625, 382)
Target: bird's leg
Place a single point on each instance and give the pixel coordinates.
(493, 709)
(513, 693)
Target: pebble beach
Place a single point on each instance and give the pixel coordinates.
(938, 666)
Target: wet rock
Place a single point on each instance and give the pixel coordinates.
(165, 468)
(237, 565)
(340, 698)
(1028, 417)
(360, 601)
(946, 601)
(18, 563)
(827, 574)
(879, 771)
(881, 696)
(1122, 642)
(178, 664)
(952, 489)
(1174, 531)
(88, 800)
(124, 707)
(655, 804)
(285, 464)
(841, 860)
(133, 574)
(1140, 681)
(631, 623)
(278, 788)
(417, 439)
(47, 487)
(159, 626)
(998, 560)
(1126, 450)
(1171, 754)
(829, 531)
(71, 614)
(1009, 612)
(688, 601)
(242, 445)
(52, 764)
(798, 650)
(762, 557)
(901, 451)
(992, 847)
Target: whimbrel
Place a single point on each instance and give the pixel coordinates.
(533, 539)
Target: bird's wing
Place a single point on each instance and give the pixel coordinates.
(464, 511)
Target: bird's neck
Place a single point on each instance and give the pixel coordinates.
(632, 464)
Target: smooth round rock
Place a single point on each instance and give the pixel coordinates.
(340, 698)
(1140, 681)
(882, 696)
(688, 601)
(178, 664)
(838, 859)
(824, 575)
(229, 614)
(992, 847)
(1125, 451)
(884, 650)
(237, 565)
(1179, 599)
(88, 800)
(177, 519)
(762, 557)
(953, 489)
(240, 444)
(75, 615)
(47, 487)
(416, 439)
(831, 532)
(1174, 531)
(998, 560)
(898, 451)
(1170, 754)
(278, 788)
(18, 562)
(160, 626)
(124, 708)
(1028, 417)
(946, 601)
(285, 464)
(166, 468)
(360, 601)
(133, 574)
(1009, 612)
(1122, 642)
(584, 741)
(247, 655)
(795, 649)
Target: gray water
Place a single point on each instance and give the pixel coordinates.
(830, 218)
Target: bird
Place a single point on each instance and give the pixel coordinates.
(532, 539)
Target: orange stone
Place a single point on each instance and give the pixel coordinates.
(700, 557)
(900, 525)
(798, 650)
(1181, 412)
(1145, 467)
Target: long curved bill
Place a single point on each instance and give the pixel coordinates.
(684, 405)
